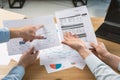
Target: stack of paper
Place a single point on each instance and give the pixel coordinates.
(77, 21)
(60, 58)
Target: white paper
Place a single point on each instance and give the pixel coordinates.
(4, 58)
(57, 66)
(77, 21)
(17, 46)
(64, 54)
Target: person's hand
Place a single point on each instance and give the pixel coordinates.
(28, 33)
(74, 42)
(99, 50)
(28, 58)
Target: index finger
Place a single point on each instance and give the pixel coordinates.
(93, 45)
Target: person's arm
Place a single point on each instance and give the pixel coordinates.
(16, 73)
(27, 33)
(4, 35)
(100, 70)
(26, 60)
(107, 57)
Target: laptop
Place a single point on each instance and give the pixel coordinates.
(110, 29)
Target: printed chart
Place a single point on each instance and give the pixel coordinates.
(55, 66)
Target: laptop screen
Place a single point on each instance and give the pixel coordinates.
(113, 14)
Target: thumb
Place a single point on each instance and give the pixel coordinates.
(30, 51)
(35, 54)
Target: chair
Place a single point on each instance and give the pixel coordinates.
(12, 3)
(2, 4)
(75, 2)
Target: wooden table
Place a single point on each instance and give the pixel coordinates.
(37, 72)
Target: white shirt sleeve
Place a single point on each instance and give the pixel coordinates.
(119, 67)
(100, 70)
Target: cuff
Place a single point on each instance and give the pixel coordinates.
(119, 66)
(92, 62)
(18, 70)
(5, 34)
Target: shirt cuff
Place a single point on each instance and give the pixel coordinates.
(119, 66)
(92, 61)
(4, 34)
(18, 70)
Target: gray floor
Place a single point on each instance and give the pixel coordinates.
(35, 8)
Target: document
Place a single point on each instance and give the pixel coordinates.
(74, 20)
(18, 46)
(4, 58)
(77, 21)
(63, 55)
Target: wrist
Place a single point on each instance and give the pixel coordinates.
(21, 64)
(15, 32)
(106, 55)
(84, 52)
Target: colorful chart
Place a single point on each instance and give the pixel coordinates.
(55, 66)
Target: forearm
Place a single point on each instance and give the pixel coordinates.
(112, 60)
(16, 73)
(100, 70)
(84, 52)
(14, 32)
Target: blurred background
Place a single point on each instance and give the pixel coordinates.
(35, 8)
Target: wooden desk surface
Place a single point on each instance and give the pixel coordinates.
(37, 72)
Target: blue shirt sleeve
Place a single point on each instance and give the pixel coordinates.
(4, 34)
(16, 73)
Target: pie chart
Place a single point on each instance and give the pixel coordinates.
(55, 66)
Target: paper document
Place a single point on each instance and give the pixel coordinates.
(77, 21)
(4, 58)
(74, 20)
(64, 56)
(17, 45)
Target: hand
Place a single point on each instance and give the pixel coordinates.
(28, 58)
(74, 42)
(99, 50)
(27, 32)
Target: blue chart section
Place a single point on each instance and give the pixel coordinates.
(55, 66)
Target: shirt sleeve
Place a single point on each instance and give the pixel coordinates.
(100, 70)
(119, 67)
(4, 34)
(16, 73)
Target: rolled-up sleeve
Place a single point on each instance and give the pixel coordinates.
(16, 73)
(4, 34)
(100, 70)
